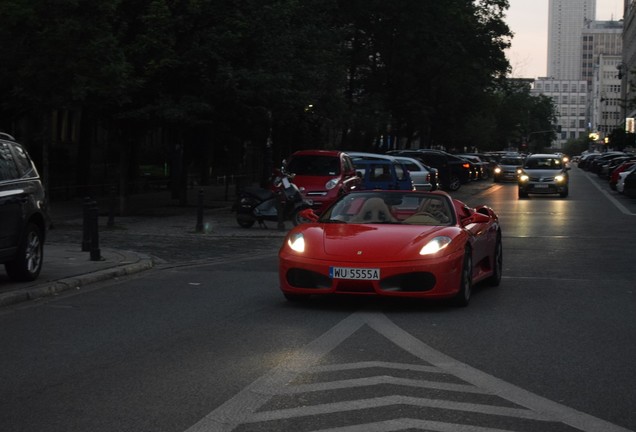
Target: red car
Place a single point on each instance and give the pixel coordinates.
(393, 243)
(323, 175)
(613, 179)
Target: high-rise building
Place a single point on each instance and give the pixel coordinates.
(566, 20)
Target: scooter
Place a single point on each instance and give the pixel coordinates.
(255, 204)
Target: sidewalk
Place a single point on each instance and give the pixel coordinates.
(155, 215)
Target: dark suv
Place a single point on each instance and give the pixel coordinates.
(453, 170)
(22, 212)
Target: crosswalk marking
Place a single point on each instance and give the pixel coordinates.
(246, 407)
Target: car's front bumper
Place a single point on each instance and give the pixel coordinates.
(425, 278)
(543, 188)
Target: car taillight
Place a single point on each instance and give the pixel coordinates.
(428, 178)
(467, 166)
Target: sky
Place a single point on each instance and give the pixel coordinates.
(528, 20)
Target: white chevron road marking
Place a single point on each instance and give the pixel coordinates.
(244, 407)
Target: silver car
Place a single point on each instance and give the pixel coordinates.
(422, 176)
(544, 174)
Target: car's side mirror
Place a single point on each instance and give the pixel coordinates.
(476, 218)
(308, 214)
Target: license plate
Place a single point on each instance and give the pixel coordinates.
(354, 273)
(541, 186)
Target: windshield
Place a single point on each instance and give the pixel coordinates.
(544, 163)
(382, 207)
(314, 165)
(511, 161)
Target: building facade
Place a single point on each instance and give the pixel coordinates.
(571, 100)
(566, 21)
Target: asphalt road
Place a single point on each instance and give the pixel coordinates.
(207, 343)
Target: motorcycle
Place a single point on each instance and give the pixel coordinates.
(255, 204)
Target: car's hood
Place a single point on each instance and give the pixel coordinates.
(373, 242)
(312, 182)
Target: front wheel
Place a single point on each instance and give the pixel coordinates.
(296, 218)
(454, 183)
(28, 262)
(462, 298)
(497, 264)
(245, 220)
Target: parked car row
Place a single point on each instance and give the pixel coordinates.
(324, 175)
(619, 168)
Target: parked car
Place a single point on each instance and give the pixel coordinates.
(507, 168)
(586, 159)
(482, 167)
(622, 177)
(613, 179)
(595, 165)
(23, 212)
(453, 171)
(543, 174)
(629, 184)
(323, 175)
(383, 174)
(424, 177)
(607, 166)
(393, 244)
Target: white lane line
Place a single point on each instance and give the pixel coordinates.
(385, 401)
(613, 200)
(543, 406)
(238, 409)
(242, 408)
(404, 424)
(380, 380)
(373, 364)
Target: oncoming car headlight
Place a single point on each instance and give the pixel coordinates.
(497, 170)
(435, 245)
(523, 177)
(331, 183)
(559, 178)
(297, 242)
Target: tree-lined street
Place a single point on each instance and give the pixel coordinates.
(213, 345)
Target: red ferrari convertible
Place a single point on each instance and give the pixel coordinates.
(393, 243)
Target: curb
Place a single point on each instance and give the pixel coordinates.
(53, 288)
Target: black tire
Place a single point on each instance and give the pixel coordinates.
(28, 262)
(522, 194)
(454, 183)
(564, 194)
(495, 279)
(297, 219)
(245, 221)
(462, 298)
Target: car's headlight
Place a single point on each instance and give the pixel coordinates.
(560, 178)
(332, 183)
(524, 177)
(435, 245)
(497, 170)
(297, 242)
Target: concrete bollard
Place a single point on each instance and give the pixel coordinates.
(94, 232)
(86, 237)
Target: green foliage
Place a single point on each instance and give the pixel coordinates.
(310, 72)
